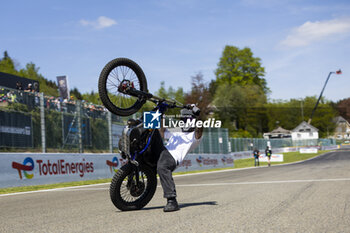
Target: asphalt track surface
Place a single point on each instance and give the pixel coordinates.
(312, 196)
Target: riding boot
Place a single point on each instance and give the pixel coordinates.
(171, 205)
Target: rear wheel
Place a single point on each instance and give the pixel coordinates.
(118, 74)
(128, 194)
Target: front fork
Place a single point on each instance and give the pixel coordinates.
(135, 172)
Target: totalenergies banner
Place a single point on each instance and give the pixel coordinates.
(194, 162)
(23, 169)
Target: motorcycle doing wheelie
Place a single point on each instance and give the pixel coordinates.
(123, 91)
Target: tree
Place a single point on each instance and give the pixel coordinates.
(76, 93)
(239, 66)
(288, 114)
(199, 94)
(343, 108)
(32, 72)
(240, 92)
(7, 65)
(162, 93)
(92, 97)
(170, 94)
(241, 109)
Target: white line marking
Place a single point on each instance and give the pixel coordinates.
(83, 189)
(265, 182)
(52, 190)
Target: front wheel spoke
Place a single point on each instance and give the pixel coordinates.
(115, 74)
(125, 193)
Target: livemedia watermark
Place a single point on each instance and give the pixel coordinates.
(153, 120)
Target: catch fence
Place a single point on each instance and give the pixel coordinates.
(36, 122)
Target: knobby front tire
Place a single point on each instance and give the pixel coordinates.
(111, 76)
(122, 196)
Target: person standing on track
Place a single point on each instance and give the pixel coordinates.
(268, 153)
(256, 154)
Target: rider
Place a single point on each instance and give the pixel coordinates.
(180, 143)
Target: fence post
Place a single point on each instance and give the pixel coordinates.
(42, 123)
(235, 143)
(62, 125)
(220, 141)
(229, 148)
(109, 118)
(78, 109)
(210, 141)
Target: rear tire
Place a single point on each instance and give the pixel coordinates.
(111, 76)
(125, 198)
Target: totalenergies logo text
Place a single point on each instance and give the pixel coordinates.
(28, 165)
(199, 160)
(206, 161)
(226, 160)
(115, 163)
(52, 168)
(186, 163)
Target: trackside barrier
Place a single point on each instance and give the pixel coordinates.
(24, 169)
(249, 154)
(274, 158)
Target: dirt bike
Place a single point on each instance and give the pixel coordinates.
(123, 91)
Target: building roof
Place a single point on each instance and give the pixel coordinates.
(339, 119)
(305, 127)
(280, 130)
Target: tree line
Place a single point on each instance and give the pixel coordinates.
(238, 96)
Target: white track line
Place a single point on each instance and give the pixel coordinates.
(81, 187)
(52, 190)
(220, 184)
(84, 189)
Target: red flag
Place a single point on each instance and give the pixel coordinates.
(338, 71)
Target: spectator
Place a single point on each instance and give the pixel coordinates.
(36, 87)
(3, 95)
(19, 86)
(256, 154)
(29, 88)
(12, 96)
(268, 154)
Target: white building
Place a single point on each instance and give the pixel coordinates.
(342, 130)
(279, 132)
(304, 131)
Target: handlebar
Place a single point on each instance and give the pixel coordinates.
(157, 100)
(148, 96)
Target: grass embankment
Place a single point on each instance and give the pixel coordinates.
(289, 157)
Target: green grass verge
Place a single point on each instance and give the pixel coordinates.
(289, 157)
(241, 163)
